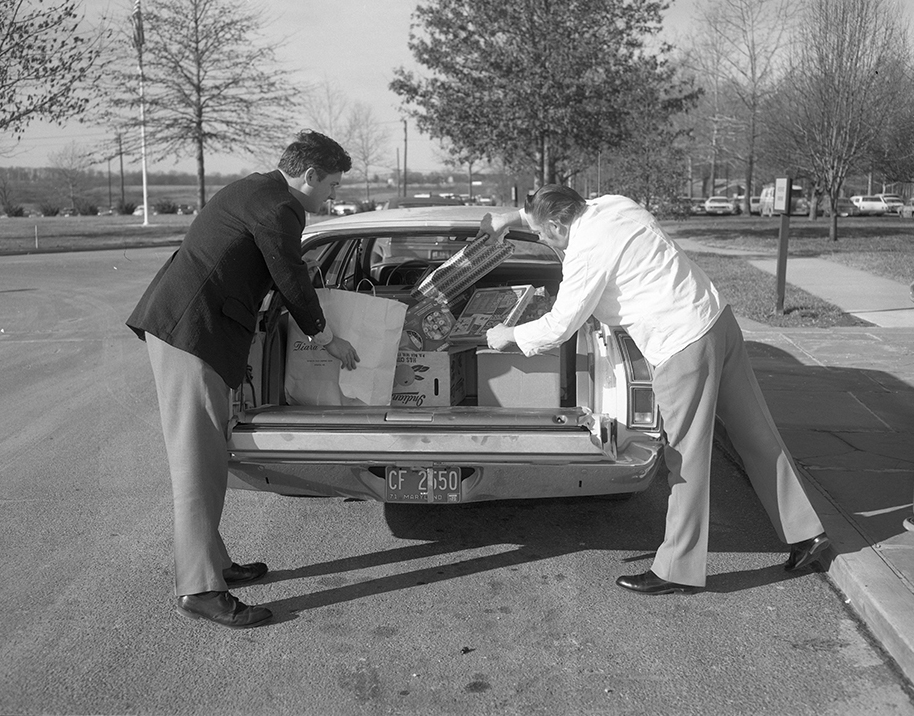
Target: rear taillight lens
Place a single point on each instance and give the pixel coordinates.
(642, 408)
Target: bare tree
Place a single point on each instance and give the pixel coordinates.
(844, 74)
(7, 194)
(745, 39)
(326, 108)
(894, 151)
(211, 83)
(46, 63)
(367, 141)
(70, 166)
(714, 119)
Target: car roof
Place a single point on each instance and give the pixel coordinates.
(426, 217)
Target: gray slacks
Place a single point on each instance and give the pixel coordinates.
(194, 405)
(712, 376)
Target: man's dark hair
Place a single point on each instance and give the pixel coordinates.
(554, 202)
(313, 149)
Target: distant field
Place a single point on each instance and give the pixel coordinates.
(83, 233)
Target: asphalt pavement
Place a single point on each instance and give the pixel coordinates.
(844, 401)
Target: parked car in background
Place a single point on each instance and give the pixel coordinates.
(697, 205)
(719, 206)
(843, 207)
(870, 205)
(755, 205)
(579, 421)
(799, 204)
(411, 202)
(907, 209)
(893, 203)
(344, 208)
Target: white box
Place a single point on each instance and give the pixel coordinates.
(512, 380)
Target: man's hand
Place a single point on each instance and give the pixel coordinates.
(342, 350)
(500, 337)
(495, 225)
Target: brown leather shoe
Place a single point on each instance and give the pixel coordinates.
(222, 608)
(243, 573)
(650, 583)
(806, 552)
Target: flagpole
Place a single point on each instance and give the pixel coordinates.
(139, 40)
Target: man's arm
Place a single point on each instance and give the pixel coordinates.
(496, 224)
(281, 251)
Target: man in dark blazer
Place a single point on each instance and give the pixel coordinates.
(198, 318)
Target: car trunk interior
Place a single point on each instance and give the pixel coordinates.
(467, 382)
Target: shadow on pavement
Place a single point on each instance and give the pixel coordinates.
(535, 530)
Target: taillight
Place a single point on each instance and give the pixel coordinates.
(642, 408)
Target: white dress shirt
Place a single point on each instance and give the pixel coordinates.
(624, 270)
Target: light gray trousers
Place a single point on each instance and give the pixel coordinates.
(194, 405)
(712, 376)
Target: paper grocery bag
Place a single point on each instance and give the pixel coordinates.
(373, 326)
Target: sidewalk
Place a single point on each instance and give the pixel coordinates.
(844, 401)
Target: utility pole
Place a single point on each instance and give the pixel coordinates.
(120, 153)
(138, 40)
(405, 170)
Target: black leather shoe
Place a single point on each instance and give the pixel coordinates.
(243, 573)
(806, 552)
(650, 583)
(223, 608)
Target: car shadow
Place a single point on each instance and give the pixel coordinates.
(845, 426)
(530, 531)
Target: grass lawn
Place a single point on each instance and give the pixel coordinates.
(86, 233)
(883, 246)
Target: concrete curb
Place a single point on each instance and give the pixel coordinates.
(873, 588)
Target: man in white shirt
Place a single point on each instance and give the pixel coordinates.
(620, 267)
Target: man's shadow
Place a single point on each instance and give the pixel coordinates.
(850, 428)
(537, 530)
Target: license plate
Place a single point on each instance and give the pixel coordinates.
(422, 484)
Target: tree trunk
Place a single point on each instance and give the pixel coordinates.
(201, 180)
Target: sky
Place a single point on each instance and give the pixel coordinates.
(355, 44)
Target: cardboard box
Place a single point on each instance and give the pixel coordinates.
(431, 378)
(511, 380)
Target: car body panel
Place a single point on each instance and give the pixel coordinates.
(845, 207)
(870, 205)
(893, 203)
(603, 438)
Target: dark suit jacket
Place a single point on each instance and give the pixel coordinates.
(205, 299)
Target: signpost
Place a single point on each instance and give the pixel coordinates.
(782, 190)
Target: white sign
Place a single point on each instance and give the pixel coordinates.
(781, 196)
